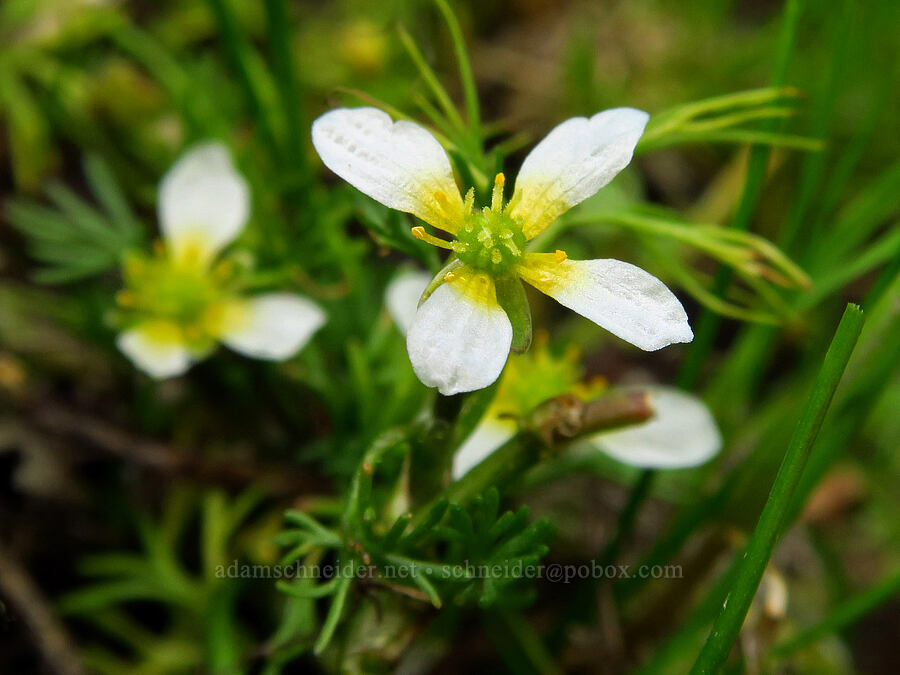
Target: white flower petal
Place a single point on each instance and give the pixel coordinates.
(574, 160)
(402, 297)
(203, 202)
(681, 433)
(618, 296)
(157, 348)
(398, 163)
(460, 337)
(273, 326)
(487, 437)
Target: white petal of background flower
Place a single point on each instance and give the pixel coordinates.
(458, 344)
(577, 158)
(487, 437)
(398, 163)
(618, 296)
(681, 433)
(274, 326)
(402, 297)
(203, 200)
(159, 359)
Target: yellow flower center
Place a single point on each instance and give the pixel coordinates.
(489, 240)
(179, 291)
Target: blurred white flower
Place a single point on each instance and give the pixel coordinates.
(460, 337)
(179, 303)
(402, 296)
(682, 433)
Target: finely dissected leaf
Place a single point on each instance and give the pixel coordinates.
(75, 240)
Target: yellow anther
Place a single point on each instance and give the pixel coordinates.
(560, 255)
(497, 193)
(419, 233)
(126, 298)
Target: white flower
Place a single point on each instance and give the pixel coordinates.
(682, 433)
(178, 303)
(461, 337)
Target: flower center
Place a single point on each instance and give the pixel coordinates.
(162, 288)
(490, 241)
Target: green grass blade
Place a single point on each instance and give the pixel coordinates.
(708, 325)
(769, 528)
(470, 90)
(278, 26)
(238, 52)
(431, 80)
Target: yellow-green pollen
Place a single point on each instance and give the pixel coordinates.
(489, 240)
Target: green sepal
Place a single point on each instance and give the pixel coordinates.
(512, 298)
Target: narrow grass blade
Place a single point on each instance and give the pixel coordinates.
(769, 528)
(278, 29)
(708, 325)
(431, 80)
(470, 90)
(239, 53)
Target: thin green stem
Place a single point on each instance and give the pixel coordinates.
(775, 512)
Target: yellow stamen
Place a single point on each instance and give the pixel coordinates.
(419, 233)
(497, 194)
(560, 255)
(470, 201)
